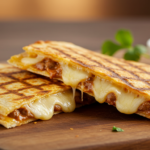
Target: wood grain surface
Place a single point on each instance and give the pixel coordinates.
(92, 129)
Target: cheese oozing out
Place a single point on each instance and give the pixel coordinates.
(44, 108)
(72, 76)
(126, 102)
(32, 61)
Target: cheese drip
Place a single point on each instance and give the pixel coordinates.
(82, 88)
(44, 108)
(74, 92)
(72, 76)
(126, 102)
(32, 61)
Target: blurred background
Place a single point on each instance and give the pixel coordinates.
(72, 10)
(84, 22)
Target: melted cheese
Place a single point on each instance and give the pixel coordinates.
(44, 108)
(32, 61)
(126, 102)
(72, 76)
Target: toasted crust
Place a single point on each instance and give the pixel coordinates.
(10, 122)
(20, 87)
(127, 74)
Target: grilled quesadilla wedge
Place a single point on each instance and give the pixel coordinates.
(25, 97)
(123, 84)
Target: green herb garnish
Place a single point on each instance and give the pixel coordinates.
(124, 40)
(116, 129)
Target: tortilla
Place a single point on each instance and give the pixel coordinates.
(123, 84)
(25, 97)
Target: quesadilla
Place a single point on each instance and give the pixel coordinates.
(25, 97)
(123, 84)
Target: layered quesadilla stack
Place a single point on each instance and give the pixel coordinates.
(25, 97)
(123, 84)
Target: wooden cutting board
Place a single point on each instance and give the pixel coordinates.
(92, 129)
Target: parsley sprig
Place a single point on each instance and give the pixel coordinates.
(116, 129)
(124, 40)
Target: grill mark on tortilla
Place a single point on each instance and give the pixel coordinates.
(115, 74)
(132, 73)
(137, 77)
(27, 85)
(107, 68)
(143, 71)
(134, 66)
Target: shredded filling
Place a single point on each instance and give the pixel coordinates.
(53, 68)
(25, 113)
(21, 114)
(55, 71)
(145, 107)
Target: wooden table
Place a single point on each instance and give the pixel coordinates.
(92, 124)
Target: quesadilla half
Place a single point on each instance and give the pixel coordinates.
(25, 97)
(123, 84)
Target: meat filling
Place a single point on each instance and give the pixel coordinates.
(52, 67)
(145, 107)
(23, 113)
(111, 99)
(87, 84)
(55, 71)
(57, 108)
